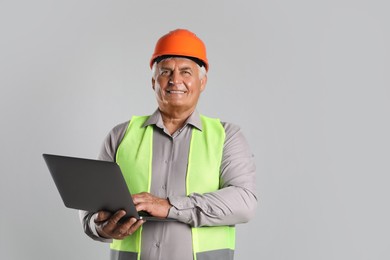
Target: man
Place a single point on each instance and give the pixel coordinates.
(180, 165)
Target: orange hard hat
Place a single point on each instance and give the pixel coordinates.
(182, 43)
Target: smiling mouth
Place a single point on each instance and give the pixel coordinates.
(176, 92)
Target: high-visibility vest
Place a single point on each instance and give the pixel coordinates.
(134, 156)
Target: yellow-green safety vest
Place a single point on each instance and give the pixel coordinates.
(134, 156)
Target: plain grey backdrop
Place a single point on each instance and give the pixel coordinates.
(307, 81)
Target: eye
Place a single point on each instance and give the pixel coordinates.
(186, 73)
(165, 73)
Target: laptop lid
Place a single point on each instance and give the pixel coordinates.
(92, 185)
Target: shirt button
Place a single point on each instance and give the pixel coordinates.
(166, 161)
(164, 187)
(157, 244)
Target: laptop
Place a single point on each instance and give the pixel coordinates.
(93, 185)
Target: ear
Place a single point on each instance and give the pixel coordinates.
(153, 82)
(203, 83)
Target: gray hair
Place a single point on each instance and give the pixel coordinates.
(202, 69)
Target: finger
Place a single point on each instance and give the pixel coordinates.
(124, 228)
(136, 226)
(103, 216)
(137, 198)
(113, 221)
(142, 207)
(141, 197)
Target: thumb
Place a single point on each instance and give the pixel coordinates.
(102, 216)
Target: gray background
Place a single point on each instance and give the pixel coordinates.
(308, 82)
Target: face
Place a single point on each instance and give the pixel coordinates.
(177, 85)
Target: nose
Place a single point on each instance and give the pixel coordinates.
(175, 78)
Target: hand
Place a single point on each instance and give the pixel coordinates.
(155, 206)
(109, 226)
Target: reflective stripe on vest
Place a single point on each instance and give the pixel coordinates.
(134, 156)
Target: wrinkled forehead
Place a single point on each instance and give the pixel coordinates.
(181, 63)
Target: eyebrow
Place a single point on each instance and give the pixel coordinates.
(180, 69)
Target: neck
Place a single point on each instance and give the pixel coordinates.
(174, 121)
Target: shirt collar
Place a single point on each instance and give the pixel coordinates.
(156, 119)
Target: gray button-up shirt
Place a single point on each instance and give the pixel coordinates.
(234, 203)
